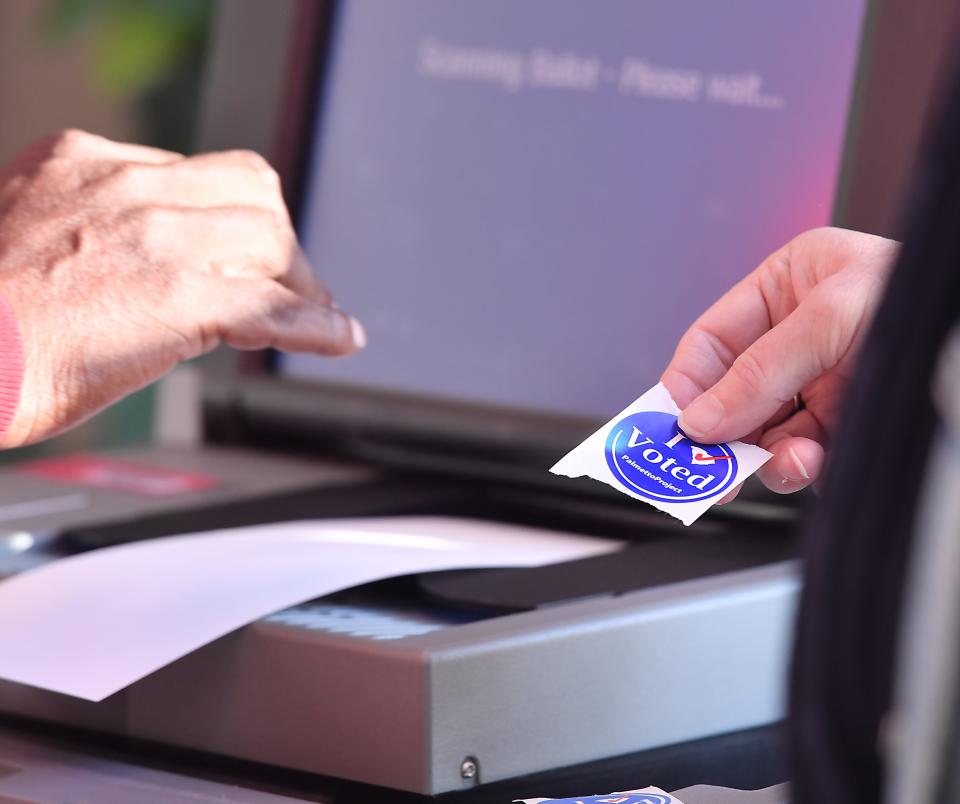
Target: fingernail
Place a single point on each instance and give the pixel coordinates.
(801, 470)
(702, 415)
(358, 333)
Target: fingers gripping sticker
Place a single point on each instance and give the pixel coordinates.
(644, 453)
(647, 453)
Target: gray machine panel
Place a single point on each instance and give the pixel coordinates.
(391, 690)
(516, 694)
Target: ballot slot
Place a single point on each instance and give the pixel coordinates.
(392, 608)
(653, 563)
(660, 551)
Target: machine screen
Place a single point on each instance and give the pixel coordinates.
(527, 203)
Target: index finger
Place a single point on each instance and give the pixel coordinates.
(727, 329)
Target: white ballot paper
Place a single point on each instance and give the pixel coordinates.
(642, 452)
(648, 795)
(90, 625)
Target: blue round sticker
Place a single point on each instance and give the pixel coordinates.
(650, 456)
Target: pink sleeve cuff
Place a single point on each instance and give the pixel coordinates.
(11, 365)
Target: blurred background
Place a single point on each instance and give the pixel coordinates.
(125, 69)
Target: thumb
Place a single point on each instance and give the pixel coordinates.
(766, 376)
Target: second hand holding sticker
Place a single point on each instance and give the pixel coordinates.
(642, 452)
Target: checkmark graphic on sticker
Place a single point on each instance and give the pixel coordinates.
(701, 458)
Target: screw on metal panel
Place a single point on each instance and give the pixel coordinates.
(469, 768)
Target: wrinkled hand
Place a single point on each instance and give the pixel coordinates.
(792, 326)
(120, 260)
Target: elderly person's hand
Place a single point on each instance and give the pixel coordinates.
(117, 261)
(791, 327)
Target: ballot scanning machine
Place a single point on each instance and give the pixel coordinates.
(526, 205)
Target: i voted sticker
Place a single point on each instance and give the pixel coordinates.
(644, 453)
(650, 456)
